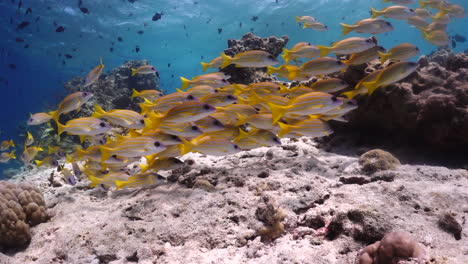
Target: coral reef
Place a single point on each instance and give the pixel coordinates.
(249, 41)
(378, 160)
(21, 206)
(393, 248)
(428, 108)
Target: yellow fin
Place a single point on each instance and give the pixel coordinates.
(98, 111)
(242, 135)
(12, 155)
(371, 86)
(106, 153)
(286, 56)
(323, 50)
(94, 181)
(38, 163)
(271, 70)
(185, 82)
(297, 19)
(185, 147)
(375, 13)
(226, 60)
(134, 72)
(240, 119)
(11, 143)
(350, 94)
(60, 128)
(383, 57)
(284, 129)
(277, 112)
(422, 3)
(346, 28)
(205, 66)
(135, 93)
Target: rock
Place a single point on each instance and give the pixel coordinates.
(21, 206)
(378, 160)
(249, 41)
(204, 185)
(272, 216)
(427, 109)
(448, 223)
(393, 248)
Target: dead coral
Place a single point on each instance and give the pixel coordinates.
(21, 206)
(448, 223)
(394, 247)
(272, 216)
(378, 160)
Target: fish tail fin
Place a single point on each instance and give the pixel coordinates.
(346, 28)
(95, 181)
(386, 1)
(205, 66)
(120, 184)
(254, 98)
(60, 128)
(11, 143)
(82, 138)
(242, 135)
(226, 60)
(68, 159)
(422, 3)
(305, 25)
(38, 163)
(286, 55)
(297, 19)
(106, 153)
(55, 115)
(350, 94)
(283, 88)
(238, 90)
(12, 155)
(383, 57)
(134, 72)
(145, 108)
(98, 111)
(240, 119)
(144, 167)
(277, 112)
(242, 100)
(375, 13)
(284, 129)
(371, 86)
(185, 82)
(323, 50)
(135, 93)
(50, 150)
(271, 69)
(292, 73)
(100, 62)
(80, 152)
(185, 147)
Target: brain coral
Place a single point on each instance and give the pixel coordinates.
(21, 206)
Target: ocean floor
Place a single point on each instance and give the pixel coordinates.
(230, 209)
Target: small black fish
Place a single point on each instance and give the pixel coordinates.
(80, 2)
(131, 14)
(251, 29)
(68, 56)
(37, 19)
(240, 24)
(112, 43)
(185, 27)
(137, 49)
(22, 25)
(28, 11)
(220, 30)
(276, 1)
(74, 49)
(26, 46)
(119, 39)
(172, 75)
(49, 7)
(84, 10)
(55, 24)
(186, 35)
(100, 36)
(60, 29)
(254, 18)
(201, 57)
(19, 40)
(12, 66)
(63, 62)
(157, 16)
(267, 24)
(459, 38)
(140, 32)
(454, 44)
(20, 4)
(111, 49)
(168, 65)
(208, 21)
(132, 1)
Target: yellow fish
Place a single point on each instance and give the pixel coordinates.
(219, 99)
(395, 12)
(287, 72)
(214, 63)
(320, 66)
(261, 121)
(68, 176)
(29, 139)
(85, 126)
(214, 146)
(452, 10)
(147, 94)
(368, 26)
(349, 46)
(29, 154)
(399, 52)
(6, 144)
(187, 130)
(435, 26)
(311, 127)
(364, 56)
(157, 164)
(144, 69)
(70, 103)
(47, 161)
(166, 102)
(252, 58)
(94, 74)
(190, 111)
(430, 3)
(209, 124)
(418, 22)
(261, 136)
(441, 18)
(305, 19)
(201, 90)
(400, 2)
(5, 156)
(421, 12)
(132, 147)
(315, 25)
(330, 85)
(121, 117)
(38, 118)
(438, 37)
(107, 179)
(392, 74)
(214, 79)
(138, 180)
(300, 50)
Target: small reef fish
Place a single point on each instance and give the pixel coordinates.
(438, 37)
(145, 69)
(330, 85)
(47, 161)
(30, 153)
(215, 79)
(435, 26)
(300, 50)
(29, 139)
(70, 103)
(68, 176)
(132, 147)
(106, 179)
(320, 66)
(400, 2)
(214, 146)
(286, 71)
(261, 121)
(201, 90)
(430, 3)
(364, 56)
(209, 124)
(166, 102)
(147, 94)
(219, 99)
(369, 26)
(85, 126)
(38, 118)
(126, 118)
(252, 58)
(441, 18)
(400, 52)
(5, 156)
(214, 63)
(138, 180)
(94, 74)
(187, 130)
(395, 12)
(311, 127)
(418, 22)
(348, 46)
(316, 26)
(158, 164)
(306, 104)
(6, 144)
(190, 111)
(392, 74)
(422, 12)
(305, 19)
(261, 136)
(453, 10)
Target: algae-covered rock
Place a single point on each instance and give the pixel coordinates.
(378, 160)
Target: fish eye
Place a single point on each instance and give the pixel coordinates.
(206, 107)
(275, 139)
(194, 128)
(152, 68)
(174, 137)
(271, 57)
(231, 97)
(334, 98)
(157, 144)
(350, 103)
(102, 124)
(142, 121)
(216, 90)
(217, 123)
(85, 94)
(224, 80)
(114, 156)
(412, 10)
(190, 97)
(236, 147)
(339, 62)
(54, 163)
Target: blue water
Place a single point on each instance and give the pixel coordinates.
(187, 31)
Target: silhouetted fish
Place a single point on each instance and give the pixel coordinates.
(168, 65)
(137, 49)
(37, 19)
(26, 46)
(459, 38)
(119, 39)
(19, 40)
(157, 16)
(254, 18)
(132, 1)
(68, 56)
(454, 44)
(84, 10)
(111, 49)
(140, 32)
(22, 25)
(220, 30)
(12, 66)
(60, 29)
(28, 11)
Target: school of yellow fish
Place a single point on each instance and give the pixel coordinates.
(212, 116)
